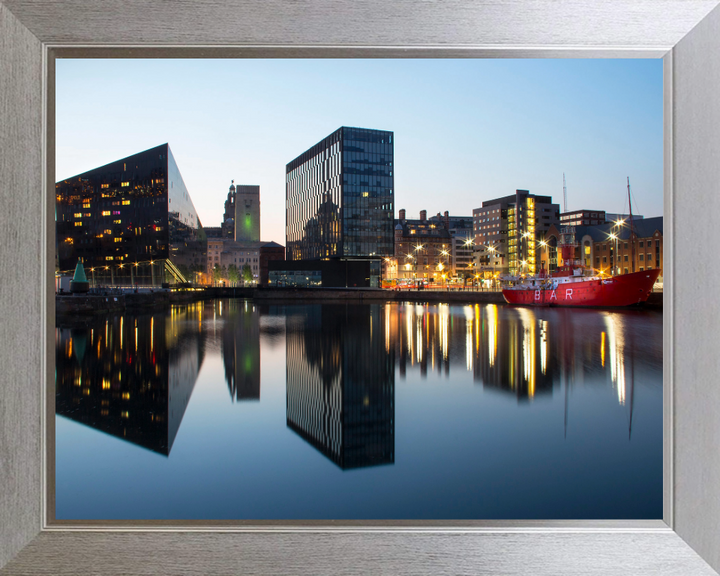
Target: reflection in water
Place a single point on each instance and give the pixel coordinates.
(138, 392)
(132, 375)
(486, 394)
(241, 349)
(341, 382)
(524, 351)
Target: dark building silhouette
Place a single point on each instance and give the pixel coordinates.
(131, 222)
(341, 383)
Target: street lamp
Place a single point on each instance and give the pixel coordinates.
(492, 250)
(615, 267)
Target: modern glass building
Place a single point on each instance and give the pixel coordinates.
(131, 222)
(339, 197)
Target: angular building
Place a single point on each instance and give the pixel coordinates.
(131, 222)
(339, 198)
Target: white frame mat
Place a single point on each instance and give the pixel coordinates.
(685, 33)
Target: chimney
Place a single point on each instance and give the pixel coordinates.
(401, 214)
(423, 215)
(447, 219)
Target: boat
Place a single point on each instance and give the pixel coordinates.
(579, 290)
(571, 285)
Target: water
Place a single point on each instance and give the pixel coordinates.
(234, 410)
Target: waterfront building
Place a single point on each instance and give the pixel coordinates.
(423, 249)
(339, 199)
(507, 231)
(247, 213)
(432, 249)
(269, 252)
(582, 218)
(227, 259)
(611, 218)
(228, 223)
(612, 247)
(131, 222)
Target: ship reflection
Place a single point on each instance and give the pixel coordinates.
(129, 375)
(340, 382)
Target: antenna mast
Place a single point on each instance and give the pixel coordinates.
(564, 194)
(632, 228)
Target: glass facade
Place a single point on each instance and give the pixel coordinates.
(131, 222)
(339, 197)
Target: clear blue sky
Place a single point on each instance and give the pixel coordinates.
(465, 130)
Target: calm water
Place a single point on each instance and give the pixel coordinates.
(233, 410)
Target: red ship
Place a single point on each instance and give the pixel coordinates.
(569, 286)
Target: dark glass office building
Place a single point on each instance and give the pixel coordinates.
(131, 222)
(339, 197)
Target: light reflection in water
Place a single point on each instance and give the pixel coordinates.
(338, 386)
(616, 343)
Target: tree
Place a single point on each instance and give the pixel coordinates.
(216, 273)
(247, 274)
(233, 274)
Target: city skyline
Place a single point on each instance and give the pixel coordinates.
(466, 130)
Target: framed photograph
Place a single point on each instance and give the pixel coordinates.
(35, 35)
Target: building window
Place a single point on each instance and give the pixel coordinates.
(641, 256)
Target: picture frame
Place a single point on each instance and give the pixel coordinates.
(685, 33)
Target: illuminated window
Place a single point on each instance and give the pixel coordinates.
(87, 215)
(126, 202)
(104, 185)
(117, 221)
(125, 184)
(78, 223)
(78, 215)
(109, 232)
(106, 212)
(118, 239)
(108, 257)
(116, 212)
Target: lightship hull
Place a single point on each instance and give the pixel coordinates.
(623, 290)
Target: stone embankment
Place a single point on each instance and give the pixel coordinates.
(117, 300)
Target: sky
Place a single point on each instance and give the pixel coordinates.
(466, 130)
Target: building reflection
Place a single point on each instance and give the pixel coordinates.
(241, 348)
(519, 350)
(340, 382)
(129, 375)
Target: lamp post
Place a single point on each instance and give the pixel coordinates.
(618, 226)
(442, 265)
(543, 246)
(615, 268)
(492, 255)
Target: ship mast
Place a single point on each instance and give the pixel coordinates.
(632, 228)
